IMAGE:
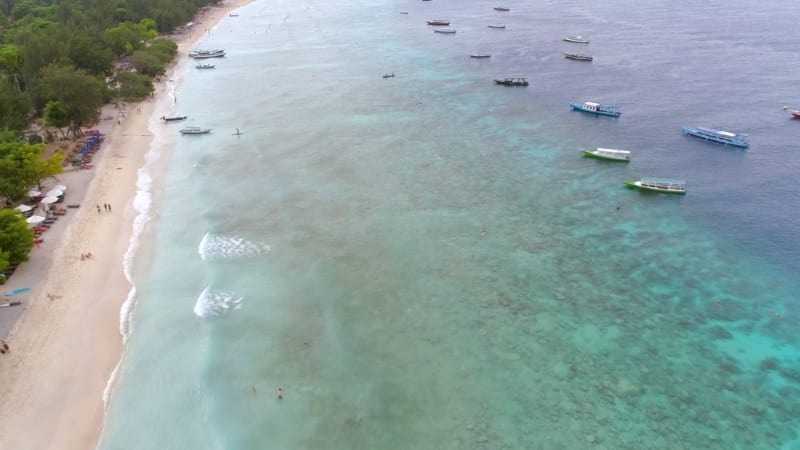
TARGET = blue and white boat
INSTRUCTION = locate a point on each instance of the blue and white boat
(597, 108)
(719, 136)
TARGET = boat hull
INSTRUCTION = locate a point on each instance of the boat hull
(590, 154)
(638, 185)
(728, 142)
(579, 107)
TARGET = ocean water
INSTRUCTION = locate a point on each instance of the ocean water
(427, 262)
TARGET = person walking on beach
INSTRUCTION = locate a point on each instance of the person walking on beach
(3, 347)
(98, 209)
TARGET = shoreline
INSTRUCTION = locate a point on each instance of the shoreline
(66, 347)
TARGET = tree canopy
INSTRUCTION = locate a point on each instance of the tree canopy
(16, 239)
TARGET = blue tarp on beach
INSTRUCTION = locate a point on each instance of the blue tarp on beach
(17, 292)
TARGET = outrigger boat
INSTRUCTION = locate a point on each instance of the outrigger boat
(609, 154)
(388, 75)
(664, 185)
(445, 30)
(501, 8)
(205, 66)
(439, 23)
(575, 39)
(480, 55)
(202, 54)
(597, 108)
(721, 137)
(512, 82)
(173, 118)
(577, 57)
(795, 113)
(496, 26)
(194, 130)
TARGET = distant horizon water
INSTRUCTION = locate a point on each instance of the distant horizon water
(427, 261)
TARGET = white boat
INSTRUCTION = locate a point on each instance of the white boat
(205, 66)
(497, 26)
(202, 54)
(445, 30)
(663, 185)
(608, 154)
(194, 130)
(480, 55)
(575, 39)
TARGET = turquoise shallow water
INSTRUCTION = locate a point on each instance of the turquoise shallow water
(335, 248)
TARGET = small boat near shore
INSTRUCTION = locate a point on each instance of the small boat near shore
(205, 66)
(597, 108)
(480, 55)
(194, 130)
(445, 30)
(575, 39)
(438, 23)
(173, 118)
(388, 75)
(512, 82)
(497, 26)
(578, 57)
(608, 154)
(718, 136)
(203, 54)
(501, 9)
(663, 185)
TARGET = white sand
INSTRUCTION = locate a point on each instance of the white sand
(63, 351)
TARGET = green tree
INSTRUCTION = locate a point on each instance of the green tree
(22, 165)
(16, 239)
(133, 86)
(56, 115)
(79, 93)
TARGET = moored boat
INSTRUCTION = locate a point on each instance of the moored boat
(202, 54)
(512, 81)
(597, 108)
(794, 112)
(194, 130)
(664, 185)
(173, 118)
(575, 39)
(578, 57)
(497, 26)
(445, 30)
(501, 8)
(439, 23)
(608, 154)
(480, 55)
(719, 136)
(205, 66)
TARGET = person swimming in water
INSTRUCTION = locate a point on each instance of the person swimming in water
(280, 394)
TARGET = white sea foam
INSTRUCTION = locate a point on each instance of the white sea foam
(215, 247)
(213, 302)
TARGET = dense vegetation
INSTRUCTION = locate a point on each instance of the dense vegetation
(60, 61)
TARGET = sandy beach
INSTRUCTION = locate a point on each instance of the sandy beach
(67, 342)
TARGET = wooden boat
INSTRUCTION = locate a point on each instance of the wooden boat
(501, 8)
(445, 30)
(663, 185)
(205, 66)
(439, 23)
(597, 108)
(388, 75)
(16, 303)
(195, 130)
(512, 82)
(173, 118)
(575, 39)
(794, 112)
(498, 27)
(577, 57)
(721, 137)
(480, 55)
(608, 154)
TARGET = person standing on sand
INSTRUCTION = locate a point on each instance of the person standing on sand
(98, 209)
(3, 347)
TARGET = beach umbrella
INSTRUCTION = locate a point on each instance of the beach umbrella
(24, 208)
(35, 220)
(55, 193)
(48, 200)
(34, 193)
(60, 187)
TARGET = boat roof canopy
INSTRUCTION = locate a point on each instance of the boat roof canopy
(663, 181)
(591, 103)
(611, 150)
